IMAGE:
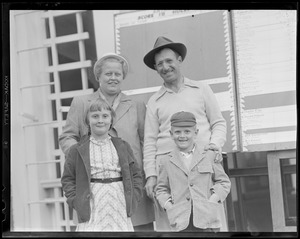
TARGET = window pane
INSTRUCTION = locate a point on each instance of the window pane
(250, 192)
(68, 52)
(65, 25)
(251, 159)
(288, 171)
(70, 80)
(256, 203)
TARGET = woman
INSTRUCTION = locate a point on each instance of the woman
(110, 71)
(101, 178)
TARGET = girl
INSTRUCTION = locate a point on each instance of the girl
(101, 179)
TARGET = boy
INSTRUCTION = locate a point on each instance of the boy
(190, 187)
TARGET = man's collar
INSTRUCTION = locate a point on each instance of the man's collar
(164, 89)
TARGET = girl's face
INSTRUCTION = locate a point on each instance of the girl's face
(100, 122)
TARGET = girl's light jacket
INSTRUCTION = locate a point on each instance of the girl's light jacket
(77, 176)
(191, 189)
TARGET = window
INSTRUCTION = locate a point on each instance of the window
(249, 201)
(283, 189)
(288, 175)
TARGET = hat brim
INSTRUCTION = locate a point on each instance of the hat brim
(113, 55)
(178, 47)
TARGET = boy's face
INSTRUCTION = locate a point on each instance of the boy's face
(184, 137)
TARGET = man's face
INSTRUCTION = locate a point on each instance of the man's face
(168, 65)
(184, 137)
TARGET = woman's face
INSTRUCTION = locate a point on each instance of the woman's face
(111, 77)
(100, 122)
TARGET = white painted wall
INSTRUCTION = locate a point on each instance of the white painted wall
(29, 144)
(104, 31)
(18, 189)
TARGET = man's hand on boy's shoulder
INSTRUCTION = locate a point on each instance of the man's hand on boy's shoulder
(214, 152)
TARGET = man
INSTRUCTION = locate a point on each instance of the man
(178, 93)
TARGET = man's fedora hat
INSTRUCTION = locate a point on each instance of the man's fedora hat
(163, 42)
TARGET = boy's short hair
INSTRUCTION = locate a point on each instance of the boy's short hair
(183, 119)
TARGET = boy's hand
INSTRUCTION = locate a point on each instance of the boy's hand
(214, 198)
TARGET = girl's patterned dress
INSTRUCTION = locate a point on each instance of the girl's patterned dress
(108, 207)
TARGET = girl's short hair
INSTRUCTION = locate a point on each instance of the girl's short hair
(98, 105)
